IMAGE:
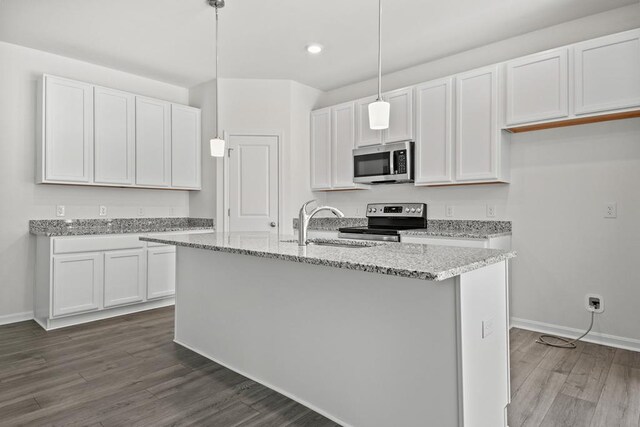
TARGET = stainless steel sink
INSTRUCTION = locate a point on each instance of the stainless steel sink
(335, 243)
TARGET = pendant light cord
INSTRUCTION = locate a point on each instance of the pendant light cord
(379, 50)
(217, 76)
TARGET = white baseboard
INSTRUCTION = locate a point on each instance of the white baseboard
(593, 337)
(16, 317)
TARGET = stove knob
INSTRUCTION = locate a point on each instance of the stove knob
(413, 210)
(374, 210)
(419, 210)
(370, 210)
(407, 210)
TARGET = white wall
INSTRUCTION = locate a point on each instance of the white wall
(254, 105)
(202, 204)
(616, 20)
(561, 180)
(22, 199)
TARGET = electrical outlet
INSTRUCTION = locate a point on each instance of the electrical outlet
(487, 327)
(611, 210)
(60, 210)
(140, 211)
(491, 211)
(448, 211)
(102, 211)
(594, 302)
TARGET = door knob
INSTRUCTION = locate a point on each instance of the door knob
(273, 224)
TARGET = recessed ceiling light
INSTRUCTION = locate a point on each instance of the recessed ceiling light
(314, 48)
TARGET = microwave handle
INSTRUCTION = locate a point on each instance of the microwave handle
(391, 165)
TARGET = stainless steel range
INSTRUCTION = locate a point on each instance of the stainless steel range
(386, 220)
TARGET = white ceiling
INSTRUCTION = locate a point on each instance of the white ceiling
(172, 40)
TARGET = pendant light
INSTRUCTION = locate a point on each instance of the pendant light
(379, 110)
(217, 144)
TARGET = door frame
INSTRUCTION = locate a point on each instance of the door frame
(225, 166)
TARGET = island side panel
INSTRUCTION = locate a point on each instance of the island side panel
(364, 349)
(484, 343)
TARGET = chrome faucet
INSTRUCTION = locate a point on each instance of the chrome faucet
(304, 218)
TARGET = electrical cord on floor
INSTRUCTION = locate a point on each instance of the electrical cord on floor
(564, 342)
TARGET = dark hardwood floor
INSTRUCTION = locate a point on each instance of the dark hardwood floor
(127, 371)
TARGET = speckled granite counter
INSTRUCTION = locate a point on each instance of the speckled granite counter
(456, 228)
(426, 262)
(79, 227)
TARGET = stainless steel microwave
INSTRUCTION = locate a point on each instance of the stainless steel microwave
(384, 163)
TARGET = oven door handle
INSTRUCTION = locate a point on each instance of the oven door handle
(364, 236)
(391, 163)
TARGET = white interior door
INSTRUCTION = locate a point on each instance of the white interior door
(253, 182)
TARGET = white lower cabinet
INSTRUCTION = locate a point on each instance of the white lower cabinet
(85, 278)
(161, 271)
(124, 277)
(76, 283)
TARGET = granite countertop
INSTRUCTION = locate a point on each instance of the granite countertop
(455, 228)
(80, 227)
(426, 262)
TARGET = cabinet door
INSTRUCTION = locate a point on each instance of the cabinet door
(77, 282)
(477, 125)
(124, 277)
(364, 134)
(400, 116)
(185, 147)
(607, 73)
(321, 149)
(68, 130)
(434, 132)
(114, 137)
(537, 87)
(153, 142)
(342, 144)
(161, 271)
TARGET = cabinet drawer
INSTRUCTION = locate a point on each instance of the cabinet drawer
(93, 244)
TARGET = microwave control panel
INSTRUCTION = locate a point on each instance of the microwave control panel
(400, 162)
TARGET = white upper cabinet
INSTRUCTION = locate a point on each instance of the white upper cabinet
(477, 132)
(91, 135)
(400, 116)
(434, 132)
(364, 134)
(67, 131)
(185, 147)
(114, 137)
(607, 73)
(537, 87)
(153, 142)
(342, 145)
(321, 149)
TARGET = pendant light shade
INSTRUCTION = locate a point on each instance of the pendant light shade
(379, 115)
(379, 110)
(217, 147)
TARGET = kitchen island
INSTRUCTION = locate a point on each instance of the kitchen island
(367, 334)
